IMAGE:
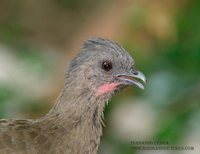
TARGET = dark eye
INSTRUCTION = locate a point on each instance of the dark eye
(107, 65)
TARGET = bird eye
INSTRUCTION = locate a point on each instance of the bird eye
(107, 65)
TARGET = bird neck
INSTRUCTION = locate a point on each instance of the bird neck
(78, 99)
(78, 103)
(79, 112)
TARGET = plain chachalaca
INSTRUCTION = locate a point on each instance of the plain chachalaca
(74, 124)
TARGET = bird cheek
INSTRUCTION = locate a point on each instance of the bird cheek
(106, 88)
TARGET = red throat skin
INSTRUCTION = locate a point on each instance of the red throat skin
(106, 88)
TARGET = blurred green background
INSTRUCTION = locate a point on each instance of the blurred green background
(38, 38)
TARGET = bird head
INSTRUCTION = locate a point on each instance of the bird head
(103, 67)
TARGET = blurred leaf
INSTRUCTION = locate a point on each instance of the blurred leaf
(172, 127)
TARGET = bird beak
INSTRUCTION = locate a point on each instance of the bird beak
(132, 78)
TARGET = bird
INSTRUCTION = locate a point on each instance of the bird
(74, 123)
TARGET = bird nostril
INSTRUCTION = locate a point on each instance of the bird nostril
(135, 73)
